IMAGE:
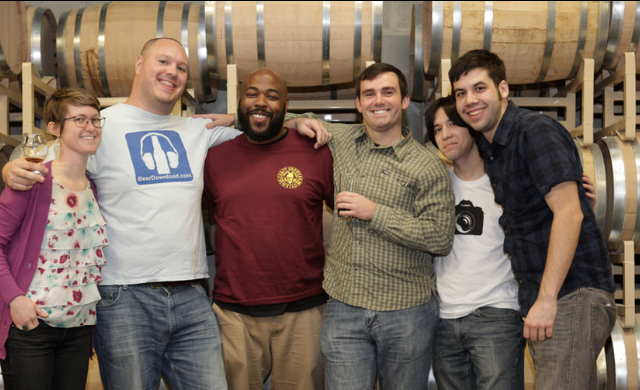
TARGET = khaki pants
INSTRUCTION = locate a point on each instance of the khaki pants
(286, 346)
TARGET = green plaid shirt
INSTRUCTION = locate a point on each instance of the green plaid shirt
(387, 263)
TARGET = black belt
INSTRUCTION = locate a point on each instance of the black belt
(172, 284)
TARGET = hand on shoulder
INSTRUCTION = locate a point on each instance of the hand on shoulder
(225, 120)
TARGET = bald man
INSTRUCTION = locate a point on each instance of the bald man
(268, 188)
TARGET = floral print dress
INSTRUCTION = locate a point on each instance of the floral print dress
(65, 284)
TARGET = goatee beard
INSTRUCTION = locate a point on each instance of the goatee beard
(272, 131)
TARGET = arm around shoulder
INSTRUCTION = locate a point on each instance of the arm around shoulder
(18, 175)
(220, 134)
(223, 120)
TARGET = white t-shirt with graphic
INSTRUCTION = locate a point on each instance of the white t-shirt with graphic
(476, 273)
(149, 174)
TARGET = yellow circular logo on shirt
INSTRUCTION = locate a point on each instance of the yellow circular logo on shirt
(290, 177)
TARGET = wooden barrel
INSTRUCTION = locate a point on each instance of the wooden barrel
(13, 42)
(593, 165)
(42, 28)
(624, 32)
(627, 15)
(537, 40)
(309, 42)
(324, 92)
(622, 358)
(622, 163)
(97, 46)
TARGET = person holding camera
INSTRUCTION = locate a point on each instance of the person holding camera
(479, 335)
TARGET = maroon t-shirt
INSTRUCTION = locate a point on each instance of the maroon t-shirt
(268, 201)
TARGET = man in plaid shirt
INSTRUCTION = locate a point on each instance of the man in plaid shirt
(382, 312)
(557, 252)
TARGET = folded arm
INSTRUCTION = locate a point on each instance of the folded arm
(432, 225)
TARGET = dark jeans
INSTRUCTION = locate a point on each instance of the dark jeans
(47, 358)
(483, 350)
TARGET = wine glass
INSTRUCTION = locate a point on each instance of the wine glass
(34, 148)
(346, 182)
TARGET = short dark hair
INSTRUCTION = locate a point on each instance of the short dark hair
(482, 59)
(448, 104)
(57, 105)
(375, 70)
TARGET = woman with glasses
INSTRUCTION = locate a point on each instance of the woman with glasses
(51, 240)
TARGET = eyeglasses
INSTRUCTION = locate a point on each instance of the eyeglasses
(82, 121)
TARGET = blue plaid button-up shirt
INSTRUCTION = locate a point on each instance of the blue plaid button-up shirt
(530, 154)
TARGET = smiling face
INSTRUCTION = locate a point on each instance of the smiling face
(161, 76)
(75, 139)
(381, 103)
(452, 140)
(478, 101)
(263, 105)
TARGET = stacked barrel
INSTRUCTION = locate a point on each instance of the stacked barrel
(310, 43)
(539, 41)
(26, 34)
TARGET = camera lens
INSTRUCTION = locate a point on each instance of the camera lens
(465, 222)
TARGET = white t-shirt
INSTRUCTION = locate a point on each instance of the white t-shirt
(476, 273)
(149, 174)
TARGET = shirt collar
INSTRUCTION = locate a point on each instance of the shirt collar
(398, 148)
(506, 124)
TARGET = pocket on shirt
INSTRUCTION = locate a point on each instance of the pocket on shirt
(401, 186)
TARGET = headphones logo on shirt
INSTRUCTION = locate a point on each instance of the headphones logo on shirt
(158, 157)
(290, 177)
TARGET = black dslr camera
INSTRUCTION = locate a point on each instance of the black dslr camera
(469, 219)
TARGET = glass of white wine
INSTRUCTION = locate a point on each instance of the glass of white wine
(34, 148)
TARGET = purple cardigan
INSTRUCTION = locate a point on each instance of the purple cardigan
(23, 218)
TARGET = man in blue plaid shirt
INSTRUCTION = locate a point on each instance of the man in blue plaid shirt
(557, 252)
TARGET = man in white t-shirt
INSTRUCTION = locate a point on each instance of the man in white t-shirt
(155, 317)
(479, 340)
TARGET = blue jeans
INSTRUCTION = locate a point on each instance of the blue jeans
(47, 358)
(357, 343)
(143, 331)
(483, 350)
(567, 361)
